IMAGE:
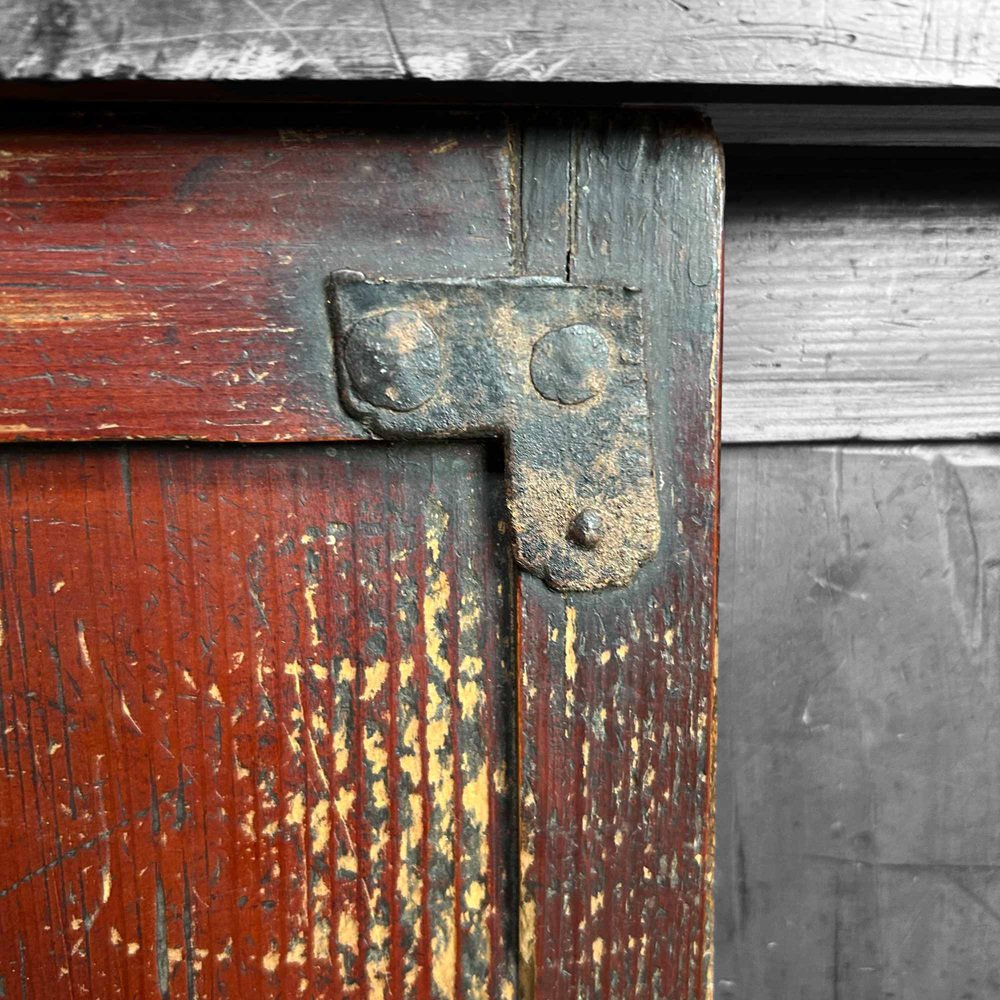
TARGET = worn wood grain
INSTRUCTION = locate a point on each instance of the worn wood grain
(279, 720)
(766, 42)
(254, 723)
(861, 295)
(169, 280)
(617, 688)
(858, 791)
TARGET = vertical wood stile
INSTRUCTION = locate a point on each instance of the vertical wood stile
(616, 689)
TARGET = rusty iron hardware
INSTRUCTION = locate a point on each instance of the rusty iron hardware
(555, 370)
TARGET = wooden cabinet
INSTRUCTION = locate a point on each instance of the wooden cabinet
(280, 713)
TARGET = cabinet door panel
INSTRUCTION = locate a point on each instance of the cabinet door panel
(279, 714)
(256, 710)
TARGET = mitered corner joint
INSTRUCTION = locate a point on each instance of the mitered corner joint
(556, 370)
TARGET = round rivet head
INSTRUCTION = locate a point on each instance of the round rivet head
(586, 529)
(393, 359)
(570, 365)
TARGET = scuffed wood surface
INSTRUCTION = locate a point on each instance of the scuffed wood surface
(170, 281)
(617, 688)
(859, 798)
(255, 714)
(804, 42)
(862, 295)
(164, 797)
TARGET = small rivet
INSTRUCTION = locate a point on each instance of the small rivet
(394, 359)
(586, 529)
(570, 365)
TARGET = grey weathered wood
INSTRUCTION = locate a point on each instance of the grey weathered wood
(860, 124)
(859, 42)
(858, 791)
(862, 295)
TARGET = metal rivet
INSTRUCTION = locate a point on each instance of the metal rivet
(586, 529)
(393, 359)
(570, 365)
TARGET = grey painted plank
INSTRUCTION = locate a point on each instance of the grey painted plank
(805, 42)
(862, 295)
(858, 787)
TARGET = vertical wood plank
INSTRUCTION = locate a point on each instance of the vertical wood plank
(617, 689)
(859, 797)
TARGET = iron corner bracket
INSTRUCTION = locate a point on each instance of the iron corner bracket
(556, 370)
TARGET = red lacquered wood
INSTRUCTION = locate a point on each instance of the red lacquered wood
(617, 688)
(170, 282)
(282, 720)
(250, 723)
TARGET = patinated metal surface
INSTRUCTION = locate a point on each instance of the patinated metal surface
(554, 369)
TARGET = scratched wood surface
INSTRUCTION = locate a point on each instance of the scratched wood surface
(807, 42)
(617, 688)
(264, 728)
(857, 810)
(858, 792)
(861, 295)
(254, 723)
(210, 246)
